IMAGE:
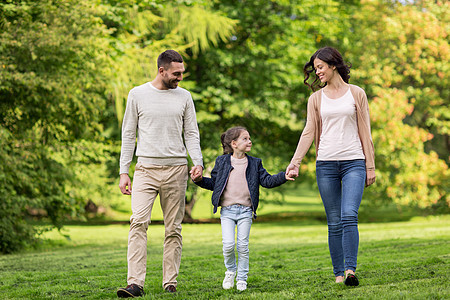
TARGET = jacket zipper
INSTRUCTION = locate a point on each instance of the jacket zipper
(224, 186)
(254, 216)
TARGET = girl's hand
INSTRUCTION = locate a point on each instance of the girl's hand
(196, 178)
(292, 171)
(289, 177)
(370, 177)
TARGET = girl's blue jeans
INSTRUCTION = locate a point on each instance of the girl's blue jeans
(341, 185)
(240, 217)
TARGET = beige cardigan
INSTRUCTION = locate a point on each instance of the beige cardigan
(313, 127)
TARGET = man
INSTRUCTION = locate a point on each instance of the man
(161, 113)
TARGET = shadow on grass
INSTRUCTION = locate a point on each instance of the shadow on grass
(366, 215)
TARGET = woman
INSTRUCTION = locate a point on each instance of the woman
(338, 120)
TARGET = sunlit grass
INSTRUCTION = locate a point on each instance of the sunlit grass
(289, 257)
(288, 260)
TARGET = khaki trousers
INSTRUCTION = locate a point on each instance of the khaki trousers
(170, 183)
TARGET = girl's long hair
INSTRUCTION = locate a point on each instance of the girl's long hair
(333, 58)
(228, 136)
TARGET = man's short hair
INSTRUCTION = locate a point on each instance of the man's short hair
(167, 57)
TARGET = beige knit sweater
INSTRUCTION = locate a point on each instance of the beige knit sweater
(313, 127)
(166, 126)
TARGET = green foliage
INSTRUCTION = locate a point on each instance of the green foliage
(94, 173)
(30, 184)
(200, 27)
(51, 94)
(66, 68)
(50, 55)
(14, 231)
(140, 32)
(255, 79)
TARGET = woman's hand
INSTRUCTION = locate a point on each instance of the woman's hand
(370, 177)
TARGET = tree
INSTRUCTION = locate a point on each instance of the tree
(51, 94)
(400, 54)
(255, 79)
(142, 31)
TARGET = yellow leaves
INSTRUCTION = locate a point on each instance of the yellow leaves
(390, 105)
(319, 38)
(418, 179)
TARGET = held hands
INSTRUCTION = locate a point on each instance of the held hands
(291, 172)
(125, 184)
(196, 173)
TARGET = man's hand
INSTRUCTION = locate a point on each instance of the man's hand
(125, 184)
(196, 173)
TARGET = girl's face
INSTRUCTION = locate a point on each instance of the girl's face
(243, 143)
(324, 71)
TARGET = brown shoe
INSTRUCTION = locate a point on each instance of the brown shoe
(171, 289)
(131, 291)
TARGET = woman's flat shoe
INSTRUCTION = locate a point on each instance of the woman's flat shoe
(351, 280)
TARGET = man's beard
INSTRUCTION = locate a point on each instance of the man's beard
(170, 84)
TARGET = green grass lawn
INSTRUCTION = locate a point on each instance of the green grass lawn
(288, 260)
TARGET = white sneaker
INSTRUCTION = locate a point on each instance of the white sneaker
(228, 281)
(241, 285)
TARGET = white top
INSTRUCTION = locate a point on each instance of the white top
(236, 191)
(339, 139)
(161, 118)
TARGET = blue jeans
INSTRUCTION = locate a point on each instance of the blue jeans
(241, 217)
(341, 185)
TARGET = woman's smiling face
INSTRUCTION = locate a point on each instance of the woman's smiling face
(324, 71)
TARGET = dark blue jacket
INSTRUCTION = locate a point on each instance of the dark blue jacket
(256, 175)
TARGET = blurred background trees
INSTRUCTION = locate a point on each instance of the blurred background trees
(66, 68)
(401, 57)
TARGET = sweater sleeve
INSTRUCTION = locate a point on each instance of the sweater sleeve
(308, 134)
(364, 131)
(270, 181)
(191, 133)
(129, 127)
(209, 183)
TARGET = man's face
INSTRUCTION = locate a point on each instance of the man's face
(172, 75)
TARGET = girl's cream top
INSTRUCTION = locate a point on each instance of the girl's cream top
(236, 191)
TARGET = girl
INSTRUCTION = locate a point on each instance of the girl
(338, 120)
(235, 181)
